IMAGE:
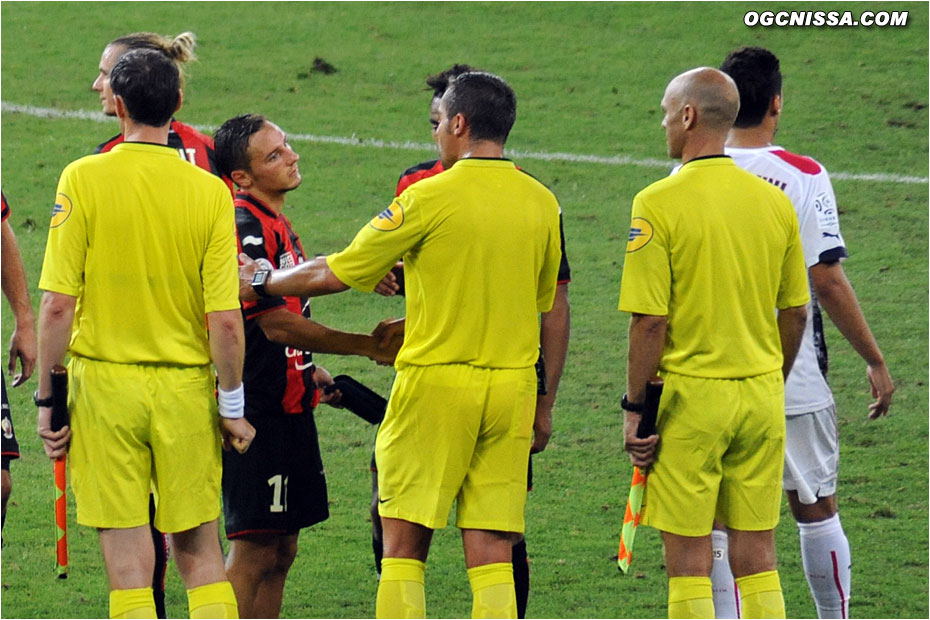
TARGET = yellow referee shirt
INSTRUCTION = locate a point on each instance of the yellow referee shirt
(147, 243)
(481, 251)
(715, 249)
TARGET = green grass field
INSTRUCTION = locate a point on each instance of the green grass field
(589, 78)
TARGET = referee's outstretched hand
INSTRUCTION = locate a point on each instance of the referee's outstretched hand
(237, 433)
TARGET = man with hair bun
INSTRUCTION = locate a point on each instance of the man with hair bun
(193, 146)
(713, 250)
(139, 223)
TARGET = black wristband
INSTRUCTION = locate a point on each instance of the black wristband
(41, 402)
(628, 406)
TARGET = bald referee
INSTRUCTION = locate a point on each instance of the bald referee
(713, 250)
(143, 410)
(480, 244)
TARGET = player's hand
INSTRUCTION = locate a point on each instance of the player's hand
(542, 426)
(54, 442)
(388, 285)
(388, 336)
(387, 330)
(238, 434)
(642, 451)
(22, 348)
(322, 378)
(247, 269)
(882, 389)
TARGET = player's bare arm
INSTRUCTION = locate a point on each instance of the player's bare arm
(646, 341)
(554, 330)
(791, 323)
(23, 342)
(284, 327)
(836, 295)
(309, 279)
(56, 315)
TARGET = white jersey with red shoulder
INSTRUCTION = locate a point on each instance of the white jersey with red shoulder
(807, 184)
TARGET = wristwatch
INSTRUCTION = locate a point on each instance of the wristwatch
(628, 406)
(41, 402)
(259, 279)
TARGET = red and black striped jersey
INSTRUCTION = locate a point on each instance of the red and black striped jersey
(195, 147)
(6, 208)
(278, 380)
(428, 169)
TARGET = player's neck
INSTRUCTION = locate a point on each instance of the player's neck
(272, 200)
(751, 137)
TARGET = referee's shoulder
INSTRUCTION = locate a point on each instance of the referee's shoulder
(88, 163)
(670, 183)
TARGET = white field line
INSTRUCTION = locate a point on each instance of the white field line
(612, 160)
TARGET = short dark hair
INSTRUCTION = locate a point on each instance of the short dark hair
(487, 102)
(149, 84)
(441, 81)
(757, 74)
(231, 142)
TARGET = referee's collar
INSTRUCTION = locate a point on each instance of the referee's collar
(485, 161)
(706, 157)
(134, 145)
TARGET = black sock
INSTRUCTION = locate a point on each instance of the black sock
(378, 548)
(521, 577)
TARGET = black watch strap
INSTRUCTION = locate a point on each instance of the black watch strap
(259, 279)
(41, 402)
(628, 406)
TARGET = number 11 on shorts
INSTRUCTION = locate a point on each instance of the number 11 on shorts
(279, 484)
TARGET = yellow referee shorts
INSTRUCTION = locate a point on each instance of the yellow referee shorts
(457, 432)
(139, 428)
(721, 455)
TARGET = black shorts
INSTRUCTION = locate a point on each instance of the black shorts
(278, 485)
(9, 447)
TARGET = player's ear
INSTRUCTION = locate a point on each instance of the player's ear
(180, 99)
(241, 178)
(777, 103)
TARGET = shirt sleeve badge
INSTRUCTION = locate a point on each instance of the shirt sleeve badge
(391, 218)
(640, 234)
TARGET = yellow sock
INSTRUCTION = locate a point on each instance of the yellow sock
(214, 600)
(492, 591)
(690, 597)
(761, 595)
(400, 592)
(135, 603)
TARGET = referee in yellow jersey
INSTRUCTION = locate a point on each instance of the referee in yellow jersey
(132, 266)
(481, 250)
(713, 251)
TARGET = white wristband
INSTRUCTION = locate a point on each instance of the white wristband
(231, 403)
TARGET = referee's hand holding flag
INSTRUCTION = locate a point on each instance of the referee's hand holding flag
(642, 451)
